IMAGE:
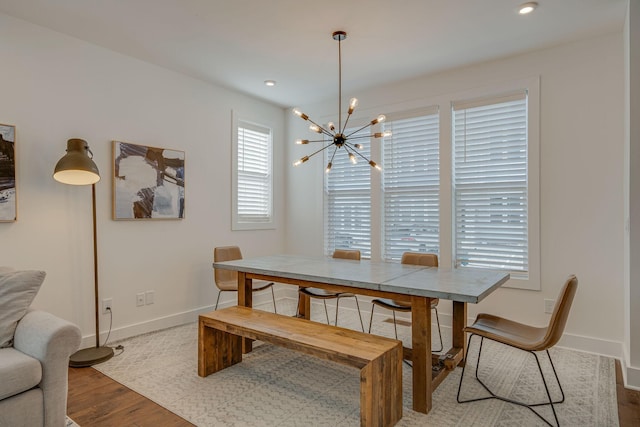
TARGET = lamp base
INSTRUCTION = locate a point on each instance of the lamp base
(90, 356)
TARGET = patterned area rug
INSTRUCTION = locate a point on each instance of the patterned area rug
(70, 423)
(279, 387)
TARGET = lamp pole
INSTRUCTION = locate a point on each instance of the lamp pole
(77, 168)
(95, 263)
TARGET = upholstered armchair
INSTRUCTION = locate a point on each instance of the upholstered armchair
(34, 357)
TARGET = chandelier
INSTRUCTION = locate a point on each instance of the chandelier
(336, 136)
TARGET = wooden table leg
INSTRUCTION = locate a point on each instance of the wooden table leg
(304, 309)
(421, 345)
(459, 322)
(245, 299)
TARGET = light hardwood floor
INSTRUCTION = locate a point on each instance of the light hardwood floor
(97, 400)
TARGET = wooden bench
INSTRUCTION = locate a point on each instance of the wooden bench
(220, 335)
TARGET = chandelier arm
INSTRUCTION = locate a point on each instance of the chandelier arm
(352, 149)
(345, 123)
(322, 129)
(321, 149)
(317, 140)
(356, 131)
(360, 136)
(333, 155)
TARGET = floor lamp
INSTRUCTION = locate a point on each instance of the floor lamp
(77, 168)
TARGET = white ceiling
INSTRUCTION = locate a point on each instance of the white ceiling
(240, 43)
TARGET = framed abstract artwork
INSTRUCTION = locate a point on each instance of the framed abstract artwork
(148, 182)
(8, 204)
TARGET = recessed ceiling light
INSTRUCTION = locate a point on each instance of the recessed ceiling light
(270, 82)
(527, 7)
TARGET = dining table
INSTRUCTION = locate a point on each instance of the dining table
(416, 284)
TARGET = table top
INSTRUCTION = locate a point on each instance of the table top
(461, 284)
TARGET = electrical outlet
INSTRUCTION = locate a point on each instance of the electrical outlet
(140, 299)
(106, 305)
(549, 304)
(148, 297)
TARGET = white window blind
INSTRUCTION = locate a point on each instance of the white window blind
(410, 184)
(254, 174)
(490, 183)
(348, 201)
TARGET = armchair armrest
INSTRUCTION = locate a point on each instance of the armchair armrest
(51, 340)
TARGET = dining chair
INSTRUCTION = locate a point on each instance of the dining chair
(227, 280)
(324, 295)
(412, 258)
(526, 338)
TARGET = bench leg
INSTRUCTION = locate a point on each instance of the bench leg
(381, 390)
(217, 350)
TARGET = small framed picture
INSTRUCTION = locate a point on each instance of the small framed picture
(148, 182)
(8, 204)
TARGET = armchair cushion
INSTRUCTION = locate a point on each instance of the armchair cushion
(18, 371)
(17, 291)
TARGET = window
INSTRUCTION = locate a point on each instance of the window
(461, 181)
(348, 201)
(410, 185)
(253, 190)
(490, 183)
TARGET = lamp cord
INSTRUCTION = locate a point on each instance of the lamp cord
(110, 324)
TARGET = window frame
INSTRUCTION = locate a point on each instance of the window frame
(530, 280)
(238, 222)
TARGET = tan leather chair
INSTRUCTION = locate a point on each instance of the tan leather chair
(324, 295)
(413, 258)
(527, 338)
(227, 280)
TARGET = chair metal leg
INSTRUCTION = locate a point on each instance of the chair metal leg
(217, 300)
(273, 296)
(395, 328)
(505, 399)
(325, 311)
(373, 306)
(359, 314)
(439, 331)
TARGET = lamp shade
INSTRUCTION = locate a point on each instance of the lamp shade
(76, 167)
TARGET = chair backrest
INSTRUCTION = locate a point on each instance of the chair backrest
(419, 258)
(347, 254)
(226, 279)
(560, 313)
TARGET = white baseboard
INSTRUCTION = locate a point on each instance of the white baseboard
(574, 342)
(226, 300)
(632, 377)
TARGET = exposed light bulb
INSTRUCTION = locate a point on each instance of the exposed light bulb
(328, 169)
(331, 126)
(353, 158)
(270, 82)
(300, 114)
(381, 118)
(382, 134)
(315, 128)
(375, 165)
(302, 141)
(358, 146)
(353, 103)
(302, 160)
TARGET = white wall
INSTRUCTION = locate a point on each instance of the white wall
(53, 88)
(581, 179)
(632, 191)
